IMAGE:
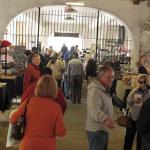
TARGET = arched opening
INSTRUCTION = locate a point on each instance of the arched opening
(114, 39)
(104, 32)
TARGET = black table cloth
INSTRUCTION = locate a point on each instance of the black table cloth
(11, 85)
(5, 101)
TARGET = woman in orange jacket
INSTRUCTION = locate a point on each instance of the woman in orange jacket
(44, 118)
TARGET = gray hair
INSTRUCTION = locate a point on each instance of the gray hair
(75, 55)
(35, 56)
(103, 69)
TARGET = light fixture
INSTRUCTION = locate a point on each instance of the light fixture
(69, 9)
(69, 18)
(75, 3)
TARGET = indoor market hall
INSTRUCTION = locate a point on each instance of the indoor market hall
(75, 75)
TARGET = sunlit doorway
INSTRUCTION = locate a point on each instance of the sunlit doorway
(58, 42)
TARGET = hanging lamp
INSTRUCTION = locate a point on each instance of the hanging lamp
(75, 3)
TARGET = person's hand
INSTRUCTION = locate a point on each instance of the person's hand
(109, 123)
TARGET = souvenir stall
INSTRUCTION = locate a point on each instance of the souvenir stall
(4, 87)
(8, 79)
(130, 78)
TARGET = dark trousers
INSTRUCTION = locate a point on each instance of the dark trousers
(145, 144)
(76, 88)
(129, 138)
(59, 83)
(97, 140)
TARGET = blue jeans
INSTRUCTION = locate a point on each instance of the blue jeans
(97, 140)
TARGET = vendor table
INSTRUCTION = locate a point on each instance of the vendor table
(5, 102)
(11, 84)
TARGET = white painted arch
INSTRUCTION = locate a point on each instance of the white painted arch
(88, 9)
(127, 12)
(83, 8)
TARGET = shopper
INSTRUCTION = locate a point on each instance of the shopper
(29, 55)
(48, 55)
(29, 92)
(99, 110)
(57, 67)
(66, 84)
(143, 126)
(75, 72)
(32, 72)
(44, 119)
(90, 70)
(64, 49)
(135, 101)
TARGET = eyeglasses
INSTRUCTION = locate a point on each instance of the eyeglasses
(141, 82)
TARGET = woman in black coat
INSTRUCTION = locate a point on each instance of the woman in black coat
(143, 126)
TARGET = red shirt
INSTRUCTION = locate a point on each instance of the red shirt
(31, 75)
(29, 92)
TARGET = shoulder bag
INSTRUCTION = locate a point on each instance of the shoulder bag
(124, 120)
(19, 126)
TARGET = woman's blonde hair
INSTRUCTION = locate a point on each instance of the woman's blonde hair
(46, 87)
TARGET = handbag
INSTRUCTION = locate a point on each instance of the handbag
(124, 120)
(19, 126)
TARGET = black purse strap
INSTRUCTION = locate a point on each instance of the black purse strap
(127, 112)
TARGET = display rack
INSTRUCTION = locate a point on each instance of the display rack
(4, 62)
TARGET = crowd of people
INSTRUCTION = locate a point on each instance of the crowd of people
(50, 79)
(66, 66)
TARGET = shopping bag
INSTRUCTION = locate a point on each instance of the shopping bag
(10, 142)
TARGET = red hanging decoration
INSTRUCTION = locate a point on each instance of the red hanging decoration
(4, 43)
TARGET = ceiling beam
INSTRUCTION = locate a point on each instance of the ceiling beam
(136, 2)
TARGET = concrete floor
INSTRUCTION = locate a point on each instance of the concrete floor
(76, 136)
(75, 118)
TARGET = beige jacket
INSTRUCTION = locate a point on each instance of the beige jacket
(99, 107)
(57, 69)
